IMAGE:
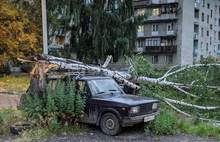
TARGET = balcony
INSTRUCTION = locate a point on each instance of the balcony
(140, 34)
(171, 33)
(148, 3)
(139, 49)
(196, 36)
(163, 17)
(163, 1)
(197, 5)
(160, 49)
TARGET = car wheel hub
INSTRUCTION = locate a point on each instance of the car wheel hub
(110, 124)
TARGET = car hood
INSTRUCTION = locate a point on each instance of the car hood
(130, 100)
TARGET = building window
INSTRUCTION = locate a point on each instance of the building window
(203, 17)
(218, 22)
(140, 28)
(201, 45)
(218, 35)
(156, 12)
(153, 42)
(211, 14)
(202, 32)
(207, 47)
(140, 44)
(207, 33)
(169, 59)
(208, 19)
(155, 59)
(196, 13)
(208, 5)
(211, 27)
(215, 34)
(155, 28)
(203, 3)
(141, 12)
(170, 27)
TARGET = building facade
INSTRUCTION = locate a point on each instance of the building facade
(178, 32)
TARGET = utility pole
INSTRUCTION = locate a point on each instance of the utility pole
(44, 26)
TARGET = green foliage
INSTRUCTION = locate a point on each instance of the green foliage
(144, 68)
(8, 117)
(98, 29)
(208, 60)
(63, 104)
(164, 124)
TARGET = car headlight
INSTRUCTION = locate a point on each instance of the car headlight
(155, 106)
(134, 109)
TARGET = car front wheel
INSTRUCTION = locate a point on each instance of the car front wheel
(110, 124)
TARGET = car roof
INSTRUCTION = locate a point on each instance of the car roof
(93, 77)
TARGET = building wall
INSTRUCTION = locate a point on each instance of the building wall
(191, 44)
(185, 32)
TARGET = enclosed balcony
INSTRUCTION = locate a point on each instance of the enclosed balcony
(160, 49)
(162, 17)
(163, 1)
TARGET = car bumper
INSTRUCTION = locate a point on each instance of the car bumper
(130, 121)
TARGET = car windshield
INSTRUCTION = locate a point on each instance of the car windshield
(102, 86)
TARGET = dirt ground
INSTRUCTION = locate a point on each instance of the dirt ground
(9, 101)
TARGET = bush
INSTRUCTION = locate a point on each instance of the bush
(63, 104)
(164, 124)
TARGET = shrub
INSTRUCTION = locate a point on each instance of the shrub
(164, 124)
(63, 104)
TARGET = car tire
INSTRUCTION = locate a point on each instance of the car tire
(110, 124)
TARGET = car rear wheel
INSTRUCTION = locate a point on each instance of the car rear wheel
(110, 124)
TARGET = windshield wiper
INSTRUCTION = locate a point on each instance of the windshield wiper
(101, 92)
(114, 90)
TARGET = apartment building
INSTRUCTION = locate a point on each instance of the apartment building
(178, 31)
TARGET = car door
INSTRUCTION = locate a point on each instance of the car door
(90, 115)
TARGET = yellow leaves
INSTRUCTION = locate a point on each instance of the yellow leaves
(18, 36)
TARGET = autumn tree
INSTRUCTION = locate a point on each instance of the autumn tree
(17, 33)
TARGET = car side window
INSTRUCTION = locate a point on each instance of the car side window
(81, 86)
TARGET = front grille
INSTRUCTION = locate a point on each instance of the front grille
(146, 109)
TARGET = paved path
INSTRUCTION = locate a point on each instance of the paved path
(9, 101)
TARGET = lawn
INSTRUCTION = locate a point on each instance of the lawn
(14, 83)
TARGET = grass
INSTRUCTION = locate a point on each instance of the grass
(40, 133)
(14, 84)
(9, 117)
(169, 122)
(201, 129)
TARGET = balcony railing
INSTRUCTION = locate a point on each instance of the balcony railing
(144, 3)
(160, 49)
(163, 1)
(197, 5)
(162, 17)
(139, 49)
(140, 34)
(196, 36)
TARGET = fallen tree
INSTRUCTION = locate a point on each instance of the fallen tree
(45, 63)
